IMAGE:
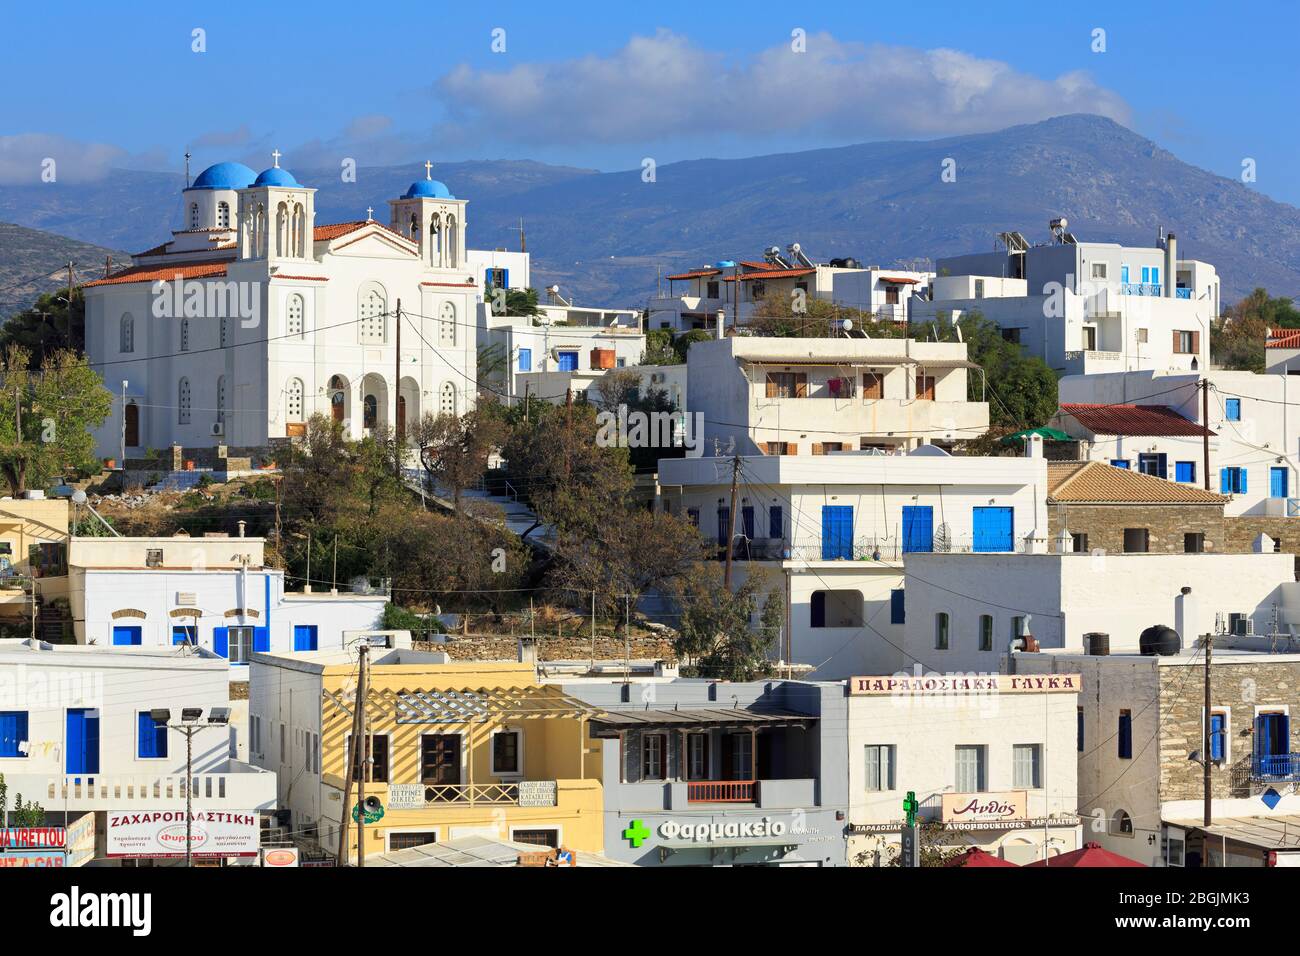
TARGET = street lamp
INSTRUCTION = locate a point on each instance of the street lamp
(191, 723)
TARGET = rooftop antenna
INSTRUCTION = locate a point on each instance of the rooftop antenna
(187, 169)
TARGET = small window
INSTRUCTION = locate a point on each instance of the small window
(539, 836)
(525, 360)
(1218, 735)
(897, 607)
(1122, 824)
(1124, 737)
(986, 632)
(1185, 471)
(778, 448)
(13, 733)
(979, 288)
(413, 838)
(1194, 542)
(1011, 335)
(1120, 463)
(151, 737)
(711, 290)
(879, 767)
(185, 335)
(654, 757)
(240, 647)
(293, 316)
(1099, 270)
(1026, 765)
(126, 334)
(153, 557)
(378, 769)
(1142, 336)
(941, 631)
(836, 609)
(505, 752)
(1184, 342)
(1080, 541)
(697, 757)
(1136, 540)
(971, 774)
(1079, 732)
(1232, 409)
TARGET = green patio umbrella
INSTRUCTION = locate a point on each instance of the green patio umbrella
(1048, 434)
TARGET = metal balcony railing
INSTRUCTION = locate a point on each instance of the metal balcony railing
(1183, 293)
(894, 549)
(1142, 288)
(1275, 767)
(722, 791)
(475, 794)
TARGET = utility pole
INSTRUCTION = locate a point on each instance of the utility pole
(351, 756)
(123, 458)
(307, 586)
(731, 519)
(366, 757)
(627, 638)
(1206, 762)
(398, 424)
(334, 581)
(1205, 427)
(189, 787)
(593, 630)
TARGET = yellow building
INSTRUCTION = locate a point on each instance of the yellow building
(455, 750)
(33, 536)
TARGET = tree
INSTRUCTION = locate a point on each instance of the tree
(659, 348)
(715, 631)
(47, 417)
(24, 814)
(51, 324)
(455, 450)
(512, 301)
(1237, 339)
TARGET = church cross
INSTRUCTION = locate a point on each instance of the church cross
(428, 169)
(275, 155)
(370, 213)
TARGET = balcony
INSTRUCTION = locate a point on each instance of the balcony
(240, 787)
(1183, 293)
(722, 791)
(1142, 288)
(1275, 767)
(894, 549)
(536, 793)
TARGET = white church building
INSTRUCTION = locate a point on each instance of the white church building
(255, 317)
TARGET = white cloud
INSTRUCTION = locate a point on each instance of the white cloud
(664, 87)
(23, 158)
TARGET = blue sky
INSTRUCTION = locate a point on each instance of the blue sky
(604, 85)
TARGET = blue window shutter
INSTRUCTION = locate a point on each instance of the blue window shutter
(152, 737)
(776, 522)
(304, 637)
(724, 524)
(1216, 736)
(1225, 481)
(993, 529)
(220, 641)
(1185, 471)
(92, 742)
(13, 731)
(1232, 409)
(1120, 462)
(126, 636)
(1241, 473)
(505, 278)
(918, 528)
(897, 607)
(568, 361)
(818, 609)
(261, 639)
(525, 360)
(837, 532)
(747, 521)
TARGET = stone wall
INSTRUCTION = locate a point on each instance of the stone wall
(1238, 688)
(1165, 524)
(550, 647)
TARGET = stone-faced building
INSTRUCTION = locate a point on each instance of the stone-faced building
(1141, 725)
(1128, 512)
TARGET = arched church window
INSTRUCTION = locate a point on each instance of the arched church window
(447, 399)
(338, 397)
(282, 246)
(223, 215)
(293, 316)
(435, 240)
(453, 248)
(183, 401)
(371, 306)
(447, 324)
(127, 334)
(370, 412)
(299, 231)
(413, 229)
(293, 400)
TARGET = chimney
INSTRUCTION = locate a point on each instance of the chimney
(1185, 617)
(241, 527)
(1033, 446)
(1171, 265)
(722, 322)
(528, 650)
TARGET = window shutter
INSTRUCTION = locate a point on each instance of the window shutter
(762, 448)
(261, 639)
(1225, 485)
(817, 448)
(1242, 473)
(220, 643)
(801, 385)
(771, 386)
(1176, 344)
(791, 448)
(1196, 343)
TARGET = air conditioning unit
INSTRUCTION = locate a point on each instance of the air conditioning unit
(1243, 626)
(656, 378)
(218, 428)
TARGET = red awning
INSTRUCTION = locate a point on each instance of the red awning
(1092, 854)
(900, 280)
(977, 857)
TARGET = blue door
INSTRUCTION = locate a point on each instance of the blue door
(125, 636)
(994, 529)
(837, 532)
(1153, 464)
(747, 521)
(1277, 483)
(82, 746)
(304, 637)
(918, 528)
(568, 361)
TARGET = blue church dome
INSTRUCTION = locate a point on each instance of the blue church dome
(275, 176)
(427, 189)
(225, 176)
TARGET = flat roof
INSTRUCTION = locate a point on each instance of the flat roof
(613, 721)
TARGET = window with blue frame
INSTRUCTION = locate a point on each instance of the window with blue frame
(185, 634)
(1185, 471)
(127, 635)
(1232, 481)
(13, 733)
(1232, 409)
(724, 524)
(1124, 737)
(1154, 464)
(918, 529)
(775, 522)
(1278, 482)
(525, 360)
(305, 637)
(568, 361)
(151, 737)
(1218, 736)
(897, 607)
(837, 532)
(1120, 462)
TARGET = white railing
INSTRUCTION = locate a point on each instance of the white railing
(245, 788)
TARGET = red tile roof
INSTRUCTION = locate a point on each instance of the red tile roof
(156, 250)
(335, 229)
(901, 280)
(1133, 420)
(770, 274)
(1284, 339)
(697, 274)
(179, 270)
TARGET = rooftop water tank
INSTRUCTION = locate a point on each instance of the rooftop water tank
(1160, 639)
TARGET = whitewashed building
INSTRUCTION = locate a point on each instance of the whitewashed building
(964, 610)
(1086, 307)
(78, 732)
(989, 757)
(836, 532)
(254, 317)
(1152, 421)
(806, 396)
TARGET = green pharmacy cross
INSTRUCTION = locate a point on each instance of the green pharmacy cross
(636, 833)
(910, 806)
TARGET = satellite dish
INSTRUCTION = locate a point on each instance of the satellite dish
(79, 497)
(847, 325)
